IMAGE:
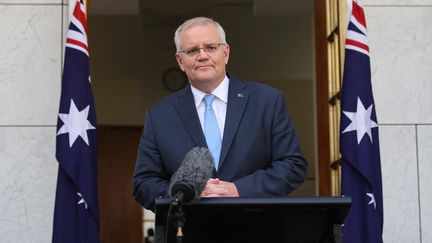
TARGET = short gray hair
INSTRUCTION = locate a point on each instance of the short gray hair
(194, 22)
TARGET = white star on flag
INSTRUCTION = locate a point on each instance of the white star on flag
(360, 121)
(372, 201)
(75, 123)
(81, 201)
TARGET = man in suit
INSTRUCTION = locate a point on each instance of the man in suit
(257, 152)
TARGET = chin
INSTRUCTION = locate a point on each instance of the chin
(206, 76)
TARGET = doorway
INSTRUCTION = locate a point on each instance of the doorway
(132, 47)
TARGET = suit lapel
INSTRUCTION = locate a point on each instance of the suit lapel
(186, 109)
(237, 99)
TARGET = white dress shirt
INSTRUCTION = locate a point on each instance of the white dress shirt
(219, 104)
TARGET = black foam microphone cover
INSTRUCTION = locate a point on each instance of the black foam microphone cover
(190, 179)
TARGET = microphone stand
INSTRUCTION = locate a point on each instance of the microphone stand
(180, 219)
(176, 213)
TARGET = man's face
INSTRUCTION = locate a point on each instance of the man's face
(205, 68)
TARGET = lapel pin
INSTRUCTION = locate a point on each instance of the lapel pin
(240, 95)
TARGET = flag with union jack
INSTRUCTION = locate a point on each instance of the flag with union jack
(361, 166)
(76, 213)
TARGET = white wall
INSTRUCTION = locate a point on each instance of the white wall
(400, 38)
(30, 70)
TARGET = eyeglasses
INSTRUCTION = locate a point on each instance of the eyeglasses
(208, 48)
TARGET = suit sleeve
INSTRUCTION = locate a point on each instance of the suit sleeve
(287, 169)
(149, 180)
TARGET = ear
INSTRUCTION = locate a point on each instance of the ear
(179, 59)
(226, 53)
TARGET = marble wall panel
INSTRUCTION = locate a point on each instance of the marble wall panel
(397, 2)
(425, 180)
(400, 187)
(31, 2)
(30, 61)
(28, 177)
(401, 54)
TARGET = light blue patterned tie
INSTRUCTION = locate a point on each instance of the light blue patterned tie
(211, 129)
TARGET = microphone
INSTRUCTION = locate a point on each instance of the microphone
(190, 179)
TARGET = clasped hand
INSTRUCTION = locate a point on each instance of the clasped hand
(218, 188)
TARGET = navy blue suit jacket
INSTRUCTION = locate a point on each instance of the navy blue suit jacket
(260, 150)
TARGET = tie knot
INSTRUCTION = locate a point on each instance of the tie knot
(208, 99)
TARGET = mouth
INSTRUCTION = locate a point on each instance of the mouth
(204, 67)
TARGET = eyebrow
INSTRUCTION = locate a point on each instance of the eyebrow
(206, 43)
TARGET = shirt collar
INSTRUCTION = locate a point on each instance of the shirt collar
(221, 92)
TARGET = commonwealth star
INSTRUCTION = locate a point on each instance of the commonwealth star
(361, 121)
(75, 123)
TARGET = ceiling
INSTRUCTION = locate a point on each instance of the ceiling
(177, 7)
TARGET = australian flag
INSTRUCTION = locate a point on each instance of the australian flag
(361, 166)
(76, 213)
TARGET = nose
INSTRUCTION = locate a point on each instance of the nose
(202, 54)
